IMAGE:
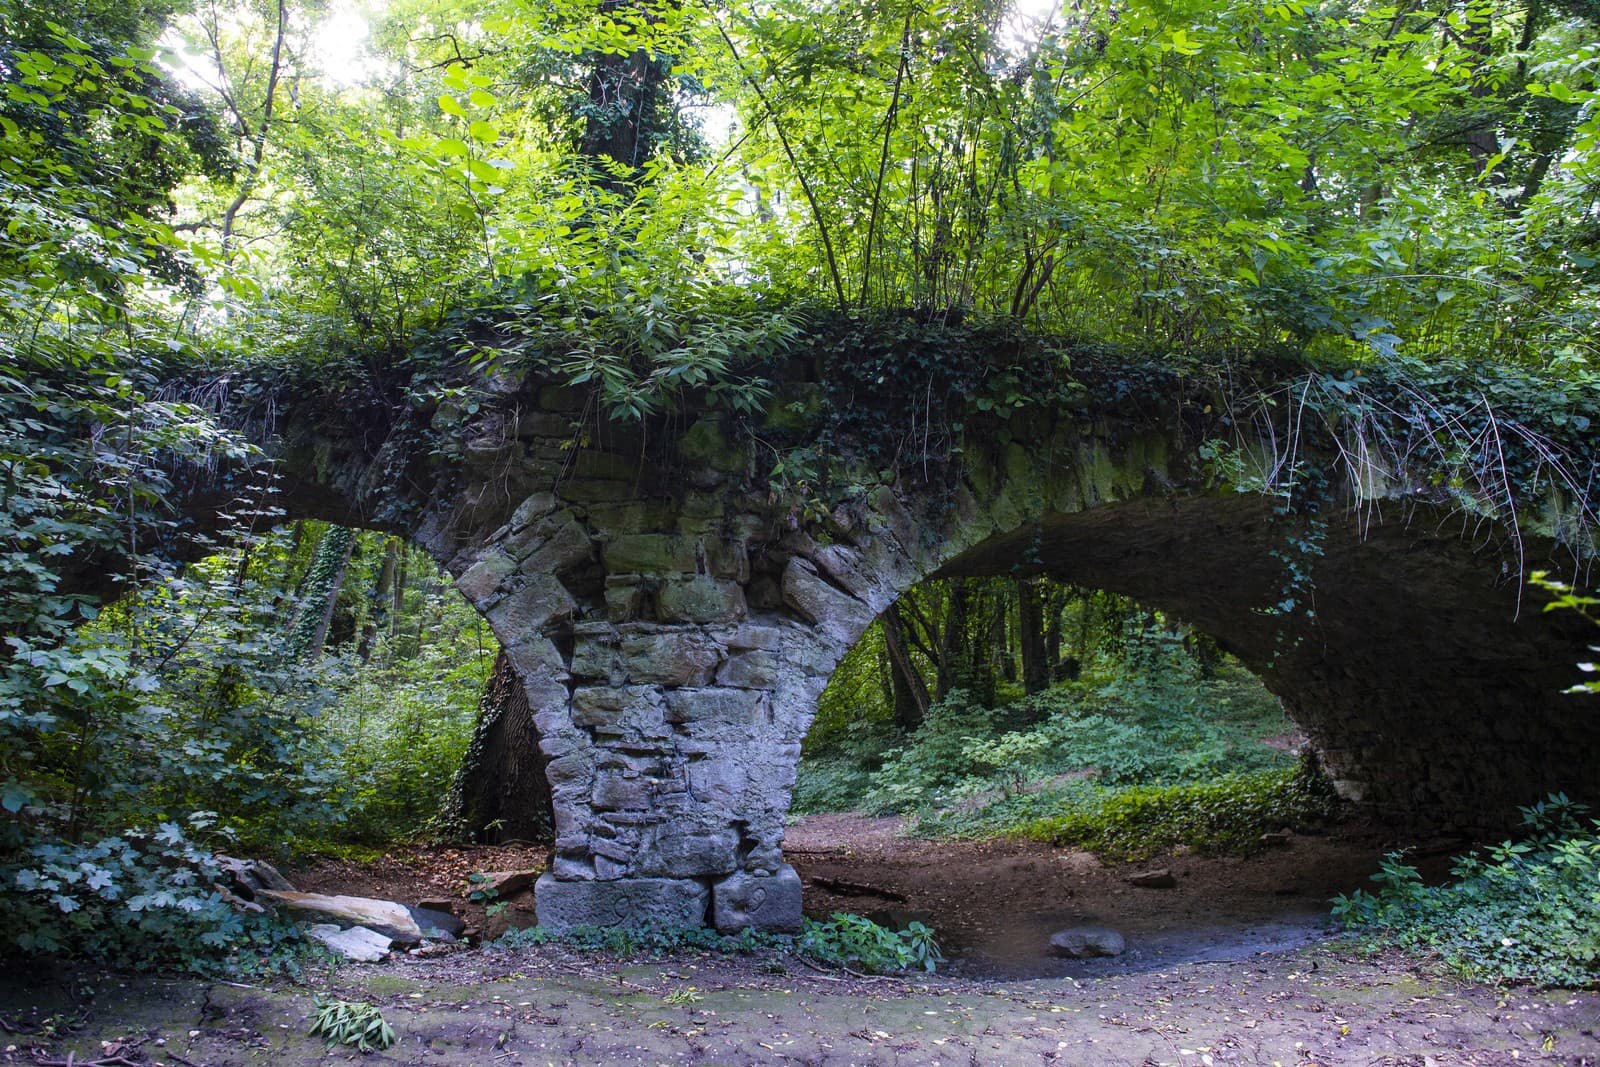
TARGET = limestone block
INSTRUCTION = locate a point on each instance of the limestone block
(770, 903)
(719, 781)
(738, 706)
(483, 578)
(674, 852)
(649, 554)
(838, 614)
(628, 902)
(626, 598)
(594, 653)
(727, 558)
(615, 793)
(678, 657)
(541, 600)
(756, 669)
(701, 599)
(537, 659)
(567, 546)
(623, 711)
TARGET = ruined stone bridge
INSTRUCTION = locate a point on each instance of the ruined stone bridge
(674, 619)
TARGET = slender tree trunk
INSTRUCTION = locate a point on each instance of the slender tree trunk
(319, 636)
(501, 792)
(1031, 636)
(909, 691)
(381, 597)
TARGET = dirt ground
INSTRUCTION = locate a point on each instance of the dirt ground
(1231, 966)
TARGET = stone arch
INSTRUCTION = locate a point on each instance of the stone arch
(675, 626)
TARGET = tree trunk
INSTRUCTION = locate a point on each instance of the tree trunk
(319, 636)
(501, 793)
(909, 691)
(381, 596)
(1030, 635)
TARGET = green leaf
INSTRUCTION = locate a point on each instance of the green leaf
(451, 106)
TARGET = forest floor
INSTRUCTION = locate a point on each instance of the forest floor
(1231, 966)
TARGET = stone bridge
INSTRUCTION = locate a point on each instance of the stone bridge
(674, 618)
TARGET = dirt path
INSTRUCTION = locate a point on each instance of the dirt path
(537, 1007)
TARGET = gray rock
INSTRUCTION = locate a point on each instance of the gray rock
(1085, 942)
(665, 902)
(382, 916)
(357, 943)
(505, 883)
(1160, 878)
(770, 903)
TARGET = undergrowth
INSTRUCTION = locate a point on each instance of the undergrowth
(1228, 814)
(1520, 911)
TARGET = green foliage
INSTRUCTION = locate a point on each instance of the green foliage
(344, 1022)
(860, 944)
(648, 940)
(1228, 814)
(1565, 598)
(145, 898)
(1520, 911)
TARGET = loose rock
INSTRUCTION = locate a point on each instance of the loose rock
(382, 916)
(1160, 878)
(1085, 942)
(357, 943)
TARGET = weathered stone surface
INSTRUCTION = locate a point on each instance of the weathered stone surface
(383, 916)
(755, 669)
(673, 852)
(742, 706)
(541, 599)
(357, 943)
(661, 902)
(649, 554)
(1086, 942)
(836, 613)
(673, 658)
(770, 903)
(483, 578)
(701, 599)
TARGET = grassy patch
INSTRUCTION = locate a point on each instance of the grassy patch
(1228, 814)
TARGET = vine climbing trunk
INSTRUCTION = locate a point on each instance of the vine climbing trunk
(500, 793)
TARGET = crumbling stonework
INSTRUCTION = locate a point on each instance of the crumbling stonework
(674, 626)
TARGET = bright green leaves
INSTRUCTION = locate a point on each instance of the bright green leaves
(451, 106)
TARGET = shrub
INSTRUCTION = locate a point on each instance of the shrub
(142, 899)
(860, 944)
(1526, 911)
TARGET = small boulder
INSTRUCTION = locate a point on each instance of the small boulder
(1086, 942)
(357, 943)
(444, 904)
(505, 883)
(1160, 878)
(1275, 839)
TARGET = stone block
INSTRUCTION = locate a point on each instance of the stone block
(626, 598)
(483, 578)
(567, 546)
(701, 599)
(629, 711)
(719, 782)
(770, 904)
(679, 657)
(614, 793)
(594, 655)
(755, 669)
(541, 600)
(653, 554)
(626, 902)
(836, 613)
(688, 854)
(741, 706)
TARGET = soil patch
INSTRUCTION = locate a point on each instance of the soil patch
(994, 903)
